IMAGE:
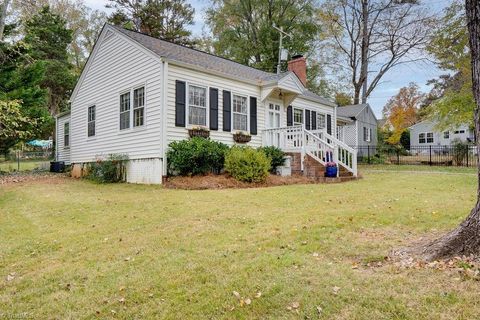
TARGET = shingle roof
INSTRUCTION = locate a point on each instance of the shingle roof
(351, 111)
(183, 54)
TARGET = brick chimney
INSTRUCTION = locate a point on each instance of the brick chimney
(298, 65)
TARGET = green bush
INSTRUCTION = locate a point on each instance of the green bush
(460, 151)
(247, 164)
(195, 156)
(108, 171)
(276, 156)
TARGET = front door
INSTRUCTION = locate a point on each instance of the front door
(274, 121)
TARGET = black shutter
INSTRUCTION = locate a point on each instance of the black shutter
(253, 115)
(289, 116)
(179, 103)
(329, 124)
(307, 120)
(227, 106)
(213, 98)
(314, 120)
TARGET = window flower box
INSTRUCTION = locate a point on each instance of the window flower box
(199, 132)
(241, 137)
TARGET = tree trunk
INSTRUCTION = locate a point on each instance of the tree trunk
(465, 239)
(3, 17)
(365, 50)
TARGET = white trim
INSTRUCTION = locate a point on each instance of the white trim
(131, 127)
(69, 135)
(88, 114)
(207, 105)
(164, 112)
(232, 93)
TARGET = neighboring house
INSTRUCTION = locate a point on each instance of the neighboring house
(424, 133)
(137, 94)
(357, 127)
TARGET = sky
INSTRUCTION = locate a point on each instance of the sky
(396, 78)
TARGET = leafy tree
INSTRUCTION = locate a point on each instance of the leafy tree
(47, 37)
(14, 124)
(366, 39)
(451, 100)
(343, 99)
(166, 19)
(465, 239)
(401, 111)
(243, 30)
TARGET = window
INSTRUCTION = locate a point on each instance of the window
(367, 134)
(91, 121)
(274, 115)
(320, 121)
(459, 131)
(138, 107)
(446, 135)
(197, 106)
(297, 117)
(240, 114)
(125, 111)
(429, 137)
(421, 138)
(66, 134)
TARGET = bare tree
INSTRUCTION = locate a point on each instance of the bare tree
(465, 239)
(3, 17)
(371, 37)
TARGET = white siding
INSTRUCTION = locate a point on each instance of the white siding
(438, 137)
(146, 171)
(62, 153)
(200, 78)
(118, 65)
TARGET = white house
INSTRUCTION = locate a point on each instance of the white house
(138, 93)
(425, 133)
(357, 127)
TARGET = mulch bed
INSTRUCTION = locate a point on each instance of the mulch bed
(224, 181)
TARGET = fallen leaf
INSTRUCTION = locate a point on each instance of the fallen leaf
(258, 294)
(319, 309)
(121, 300)
(315, 254)
(11, 276)
(248, 301)
(335, 290)
(236, 294)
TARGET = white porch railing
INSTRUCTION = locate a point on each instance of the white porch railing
(317, 143)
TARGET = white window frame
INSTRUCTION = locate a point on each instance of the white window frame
(144, 106)
(131, 112)
(90, 121)
(66, 145)
(426, 137)
(247, 114)
(367, 134)
(446, 135)
(207, 105)
(122, 112)
(303, 117)
(420, 138)
(319, 116)
(275, 112)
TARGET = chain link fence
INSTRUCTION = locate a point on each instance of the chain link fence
(26, 160)
(453, 155)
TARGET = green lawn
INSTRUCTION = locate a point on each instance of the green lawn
(25, 165)
(72, 249)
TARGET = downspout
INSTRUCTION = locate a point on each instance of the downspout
(164, 115)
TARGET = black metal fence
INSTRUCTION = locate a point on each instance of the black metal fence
(26, 160)
(453, 155)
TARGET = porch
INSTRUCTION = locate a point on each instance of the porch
(316, 144)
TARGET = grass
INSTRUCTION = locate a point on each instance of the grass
(79, 250)
(417, 168)
(25, 165)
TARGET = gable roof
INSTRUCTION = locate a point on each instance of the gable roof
(351, 110)
(185, 55)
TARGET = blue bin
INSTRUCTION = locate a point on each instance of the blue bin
(331, 172)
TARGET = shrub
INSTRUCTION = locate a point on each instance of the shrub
(247, 164)
(460, 151)
(108, 171)
(196, 156)
(276, 156)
